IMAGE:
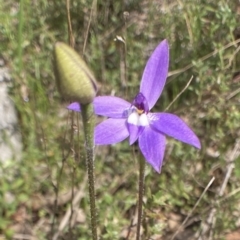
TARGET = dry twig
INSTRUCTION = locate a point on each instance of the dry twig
(184, 89)
(75, 204)
(196, 204)
(209, 224)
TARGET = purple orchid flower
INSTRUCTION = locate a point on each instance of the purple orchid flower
(134, 120)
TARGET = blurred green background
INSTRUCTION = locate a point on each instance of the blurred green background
(204, 41)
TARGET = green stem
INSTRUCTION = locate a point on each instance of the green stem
(20, 36)
(88, 125)
(140, 195)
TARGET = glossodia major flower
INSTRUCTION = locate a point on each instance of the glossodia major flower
(134, 120)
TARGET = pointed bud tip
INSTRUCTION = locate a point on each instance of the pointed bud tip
(74, 79)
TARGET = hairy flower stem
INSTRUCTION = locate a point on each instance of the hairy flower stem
(88, 125)
(140, 195)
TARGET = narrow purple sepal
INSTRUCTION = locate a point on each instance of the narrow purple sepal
(75, 106)
(152, 145)
(110, 131)
(110, 106)
(107, 106)
(175, 127)
(155, 74)
(134, 132)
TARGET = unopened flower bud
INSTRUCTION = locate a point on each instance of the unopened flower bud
(74, 79)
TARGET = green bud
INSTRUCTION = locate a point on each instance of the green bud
(75, 81)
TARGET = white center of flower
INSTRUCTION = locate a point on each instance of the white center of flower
(138, 120)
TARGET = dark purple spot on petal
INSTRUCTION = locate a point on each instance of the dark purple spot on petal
(140, 102)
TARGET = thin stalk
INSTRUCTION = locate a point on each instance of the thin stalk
(70, 31)
(140, 195)
(88, 126)
(20, 36)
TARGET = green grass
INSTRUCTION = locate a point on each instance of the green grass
(53, 163)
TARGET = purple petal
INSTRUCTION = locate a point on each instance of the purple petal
(155, 74)
(75, 106)
(152, 145)
(107, 106)
(111, 131)
(175, 127)
(134, 132)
